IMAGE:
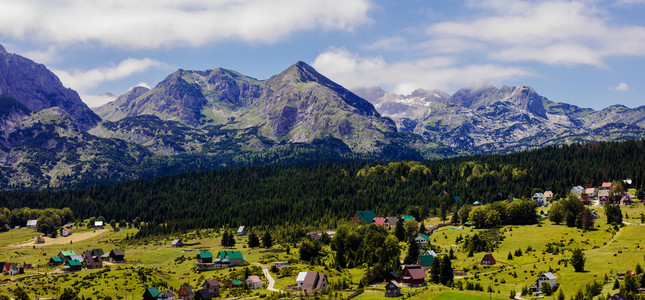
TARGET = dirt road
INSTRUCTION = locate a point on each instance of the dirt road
(75, 237)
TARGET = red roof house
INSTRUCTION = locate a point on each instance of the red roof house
(488, 260)
(379, 221)
(413, 276)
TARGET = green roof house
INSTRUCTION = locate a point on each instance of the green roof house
(150, 294)
(55, 261)
(229, 258)
(73, 265)
(364, 217)
(408, 218)
(66, 255)
(426, 261)
(204, 257)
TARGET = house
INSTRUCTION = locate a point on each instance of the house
(185, 292)
(73, 265)
(590, 192)
(314, 281)
(488, 260)
(66, 255)
(93, 252)
(313, 235)
(627, 182)
(150, 294)
(431, 252)
(548, 277)
(379, 221)
(301, 278)
(539, 199)
(422, 239)
(77, 257)
(253, 282)
(392, 289)
(6, 268)
(64, 232)
(391, 221)
(235, 284)
(32, 223)
(477, 203)
(212, 286)
(177, 244)
(548, 195)
(229, 258)
(606, 185)
(168, 294)
(241, 231)
(280, 264)
(413, 276)
(618, 296)
(55, 261)
(626, 200)
(204, 257)
(364, 217)
(603, 196)
(93, 262)
(15, 269)
(98, 224)
(425, 261)
(117, 255)
(408, 218)
(203, 295)
(578, 190)
(40, 240)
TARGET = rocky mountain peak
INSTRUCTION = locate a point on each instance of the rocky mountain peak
(2, 50)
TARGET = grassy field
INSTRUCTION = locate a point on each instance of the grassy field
(153, 262)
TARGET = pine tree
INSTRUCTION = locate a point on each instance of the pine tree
(578, 260)
(413, 252)
(225, 239)
(510, 256)
(254, 241)
(435, 271)
(231, 240)
(267, 240)
(446, 271)
(399, 230)
(561, 295)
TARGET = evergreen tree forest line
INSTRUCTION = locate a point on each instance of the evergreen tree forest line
(323, 194)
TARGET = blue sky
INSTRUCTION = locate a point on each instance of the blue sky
(590, 53)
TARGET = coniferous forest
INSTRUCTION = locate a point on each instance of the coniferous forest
(321, 194)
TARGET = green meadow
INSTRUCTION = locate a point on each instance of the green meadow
(153, 262)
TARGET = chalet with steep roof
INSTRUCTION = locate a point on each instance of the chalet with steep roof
(64, 232)
(150, 293)
(488, 260)
(177, 244)
(117, 255)
(413, 276)
(167, 294)
(241, 230)
(32, 223)
(422, 239)
(392, 289)
(315, 281)
(185, 292)
(548, 277)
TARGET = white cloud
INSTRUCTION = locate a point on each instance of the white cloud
(554, 32)
(352, 71)
(96, 100)
(621, 87)
(81, 80)
(154, 23)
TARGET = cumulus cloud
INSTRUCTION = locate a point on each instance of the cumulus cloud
(554, 32)
(83, 80)
(353, 70)
(154, 23)
(621, 87)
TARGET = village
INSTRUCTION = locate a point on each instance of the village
(198, 266)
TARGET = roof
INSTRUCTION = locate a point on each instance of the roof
(117, 252)
(408, 217)
(366, 216)
(477, 203)
(93, 252)
(457, 199)
(98, 223)
(425, 237)
(538, 195)
(175, 242)
(392, 220)
(549, 275)
(241, 229)
(154, 292)
(548, 194)
(590, 190)
(56, 259)
(311, 280)
(415, 271)
(489, 257)
(379, 220)
(74, 262)
(426, 260)
(68, 253)
(188, 288)
(236, 282)
(212, 282)
(230, 254)
(32, 222)
(606, 184)
(603, 193)
(254, 278)
(168, 293)
(205, 254)
(431, 252)
(394, 283)
(301, 276)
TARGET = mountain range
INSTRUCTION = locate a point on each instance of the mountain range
(195, 120)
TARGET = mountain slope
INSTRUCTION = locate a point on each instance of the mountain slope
(37, 88)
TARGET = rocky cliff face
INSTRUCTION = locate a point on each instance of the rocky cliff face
(37, 88)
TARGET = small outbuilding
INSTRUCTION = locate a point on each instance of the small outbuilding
(392, 289)
(177, 244)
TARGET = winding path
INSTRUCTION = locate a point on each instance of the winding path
(265, 270)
